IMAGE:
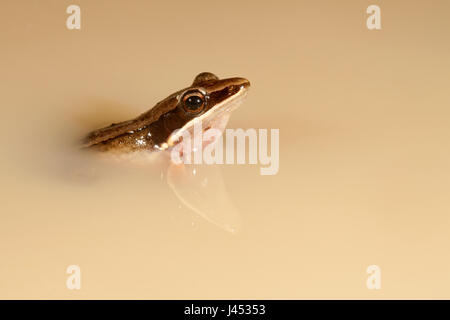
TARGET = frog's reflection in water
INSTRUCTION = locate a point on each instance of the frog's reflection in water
(201, 188)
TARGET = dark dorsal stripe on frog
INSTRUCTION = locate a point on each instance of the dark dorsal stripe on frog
(152, 129)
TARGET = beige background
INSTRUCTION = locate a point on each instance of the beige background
(364, 150)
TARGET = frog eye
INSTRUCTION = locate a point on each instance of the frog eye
(193, 102)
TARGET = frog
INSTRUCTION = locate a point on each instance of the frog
(208, 99)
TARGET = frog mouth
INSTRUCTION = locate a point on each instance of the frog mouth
(216, 118)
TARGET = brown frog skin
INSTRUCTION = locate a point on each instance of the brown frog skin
(208, 99)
